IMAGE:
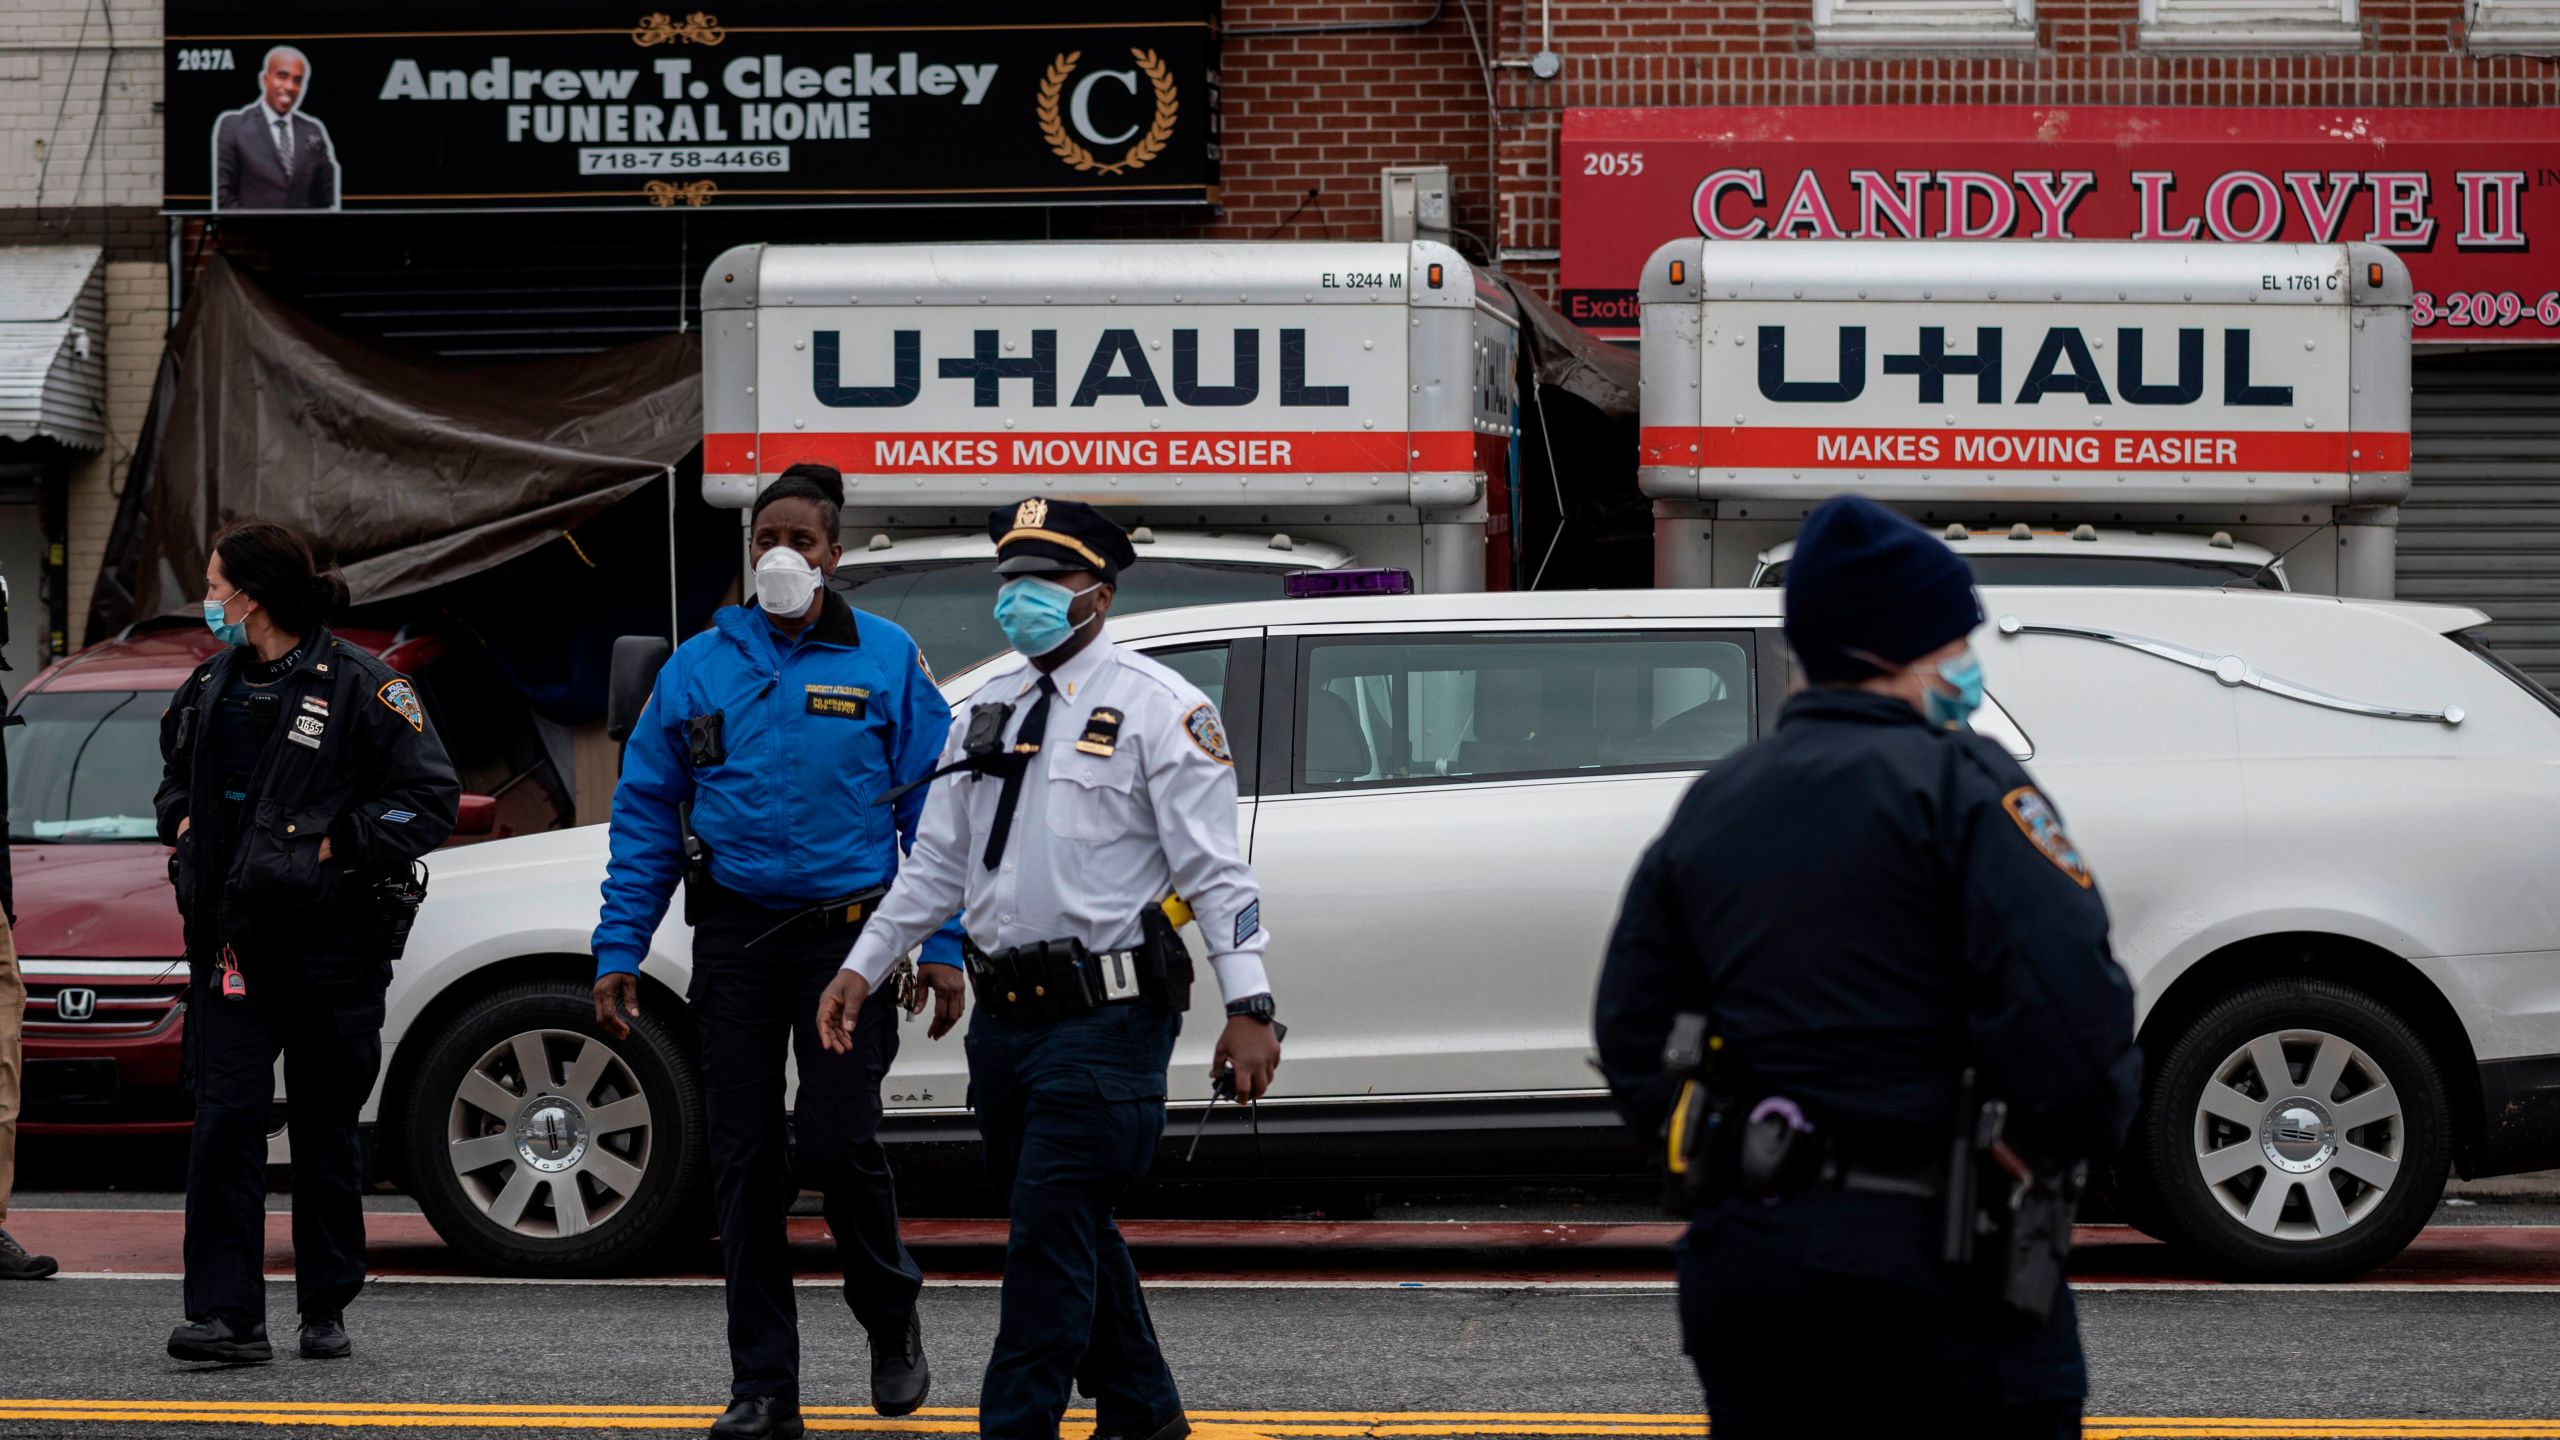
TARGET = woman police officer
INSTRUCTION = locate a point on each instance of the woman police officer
(774, 733)
(299, 773)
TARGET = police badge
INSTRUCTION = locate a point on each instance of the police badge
(1205, 731)
(402, 697)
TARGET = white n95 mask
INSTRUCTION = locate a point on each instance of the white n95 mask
(785, 583)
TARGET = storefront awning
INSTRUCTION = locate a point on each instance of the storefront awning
(53, 345)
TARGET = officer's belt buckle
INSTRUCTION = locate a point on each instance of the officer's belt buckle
(1119, 972)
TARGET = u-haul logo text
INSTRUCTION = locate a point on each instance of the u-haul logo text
(2150, 368)
(998, 369)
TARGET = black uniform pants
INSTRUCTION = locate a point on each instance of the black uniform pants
(754, 1006)
(323, 1011)
(1071, 1113)
(1780, 1304)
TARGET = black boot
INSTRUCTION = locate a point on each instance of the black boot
(759, 1417)
(899, 1377)
(324, 1336)
(17, 1264)
(220, 1342)
(1174, 1429)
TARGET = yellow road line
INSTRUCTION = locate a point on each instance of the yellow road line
(1210, 1424)
(2318, 1425)
(2299, 1425)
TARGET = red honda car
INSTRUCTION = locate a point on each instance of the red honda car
(98, 932)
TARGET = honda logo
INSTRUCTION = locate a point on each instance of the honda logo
(75, 1002)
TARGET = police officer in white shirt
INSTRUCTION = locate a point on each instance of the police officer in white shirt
(1091, 786)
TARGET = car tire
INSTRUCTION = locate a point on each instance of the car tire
(596, 1167)
(2320, 1175)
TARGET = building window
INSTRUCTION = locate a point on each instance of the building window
(1932, 24)
(2250, 25)
(2515, 27)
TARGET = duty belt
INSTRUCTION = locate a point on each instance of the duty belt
(1051, 980)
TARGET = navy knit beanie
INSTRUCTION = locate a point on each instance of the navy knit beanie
(1865, 579)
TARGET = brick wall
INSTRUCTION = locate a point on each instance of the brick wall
(137, 318)
(60, 149)
(1309, 119)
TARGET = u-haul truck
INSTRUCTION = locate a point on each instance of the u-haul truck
(2157, 402)
(1248, 409)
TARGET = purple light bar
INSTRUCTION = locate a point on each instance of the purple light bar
(1313, 584)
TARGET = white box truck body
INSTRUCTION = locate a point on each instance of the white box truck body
(1254, 407)
(2258, 391)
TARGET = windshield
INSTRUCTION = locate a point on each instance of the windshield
(84, 764)
(949, 605)
(2160, 570)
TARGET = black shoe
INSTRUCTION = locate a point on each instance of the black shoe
(324, 1337)
(17, 1264)
(759, 1417)
(899, 1377)
(219, 1342)
(1173, 1429)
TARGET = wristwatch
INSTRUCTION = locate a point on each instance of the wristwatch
(1258, 1007)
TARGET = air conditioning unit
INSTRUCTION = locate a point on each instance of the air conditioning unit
(1413, 202)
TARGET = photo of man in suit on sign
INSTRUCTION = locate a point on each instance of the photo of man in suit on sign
(268, 155)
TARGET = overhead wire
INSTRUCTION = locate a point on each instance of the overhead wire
(53, 141)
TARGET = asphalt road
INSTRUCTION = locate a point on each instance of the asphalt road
(1512, 1346)
(1297, 1360)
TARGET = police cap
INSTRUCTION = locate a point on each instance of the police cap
(1057, 537)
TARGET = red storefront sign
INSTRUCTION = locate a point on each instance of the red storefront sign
(2463, 196)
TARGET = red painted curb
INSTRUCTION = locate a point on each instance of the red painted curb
(149, 1241)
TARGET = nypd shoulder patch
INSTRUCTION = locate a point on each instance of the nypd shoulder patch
(1206, 731)
(402, 698)
(2037, 820)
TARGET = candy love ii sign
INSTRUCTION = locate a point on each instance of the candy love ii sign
(2469, 199)
(324, 105)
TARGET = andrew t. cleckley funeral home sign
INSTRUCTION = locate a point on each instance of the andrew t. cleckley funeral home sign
(298, 105)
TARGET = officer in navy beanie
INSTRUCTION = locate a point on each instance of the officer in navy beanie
(1883, 919)
(1868, 585)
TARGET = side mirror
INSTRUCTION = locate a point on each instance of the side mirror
(477, 815)
(637, 659)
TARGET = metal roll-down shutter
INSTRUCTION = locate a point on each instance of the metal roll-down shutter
(2482, 522)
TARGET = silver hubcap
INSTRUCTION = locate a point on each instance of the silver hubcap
(2299, 1135)
(549, 1133)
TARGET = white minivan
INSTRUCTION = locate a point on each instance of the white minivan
(2324, 829)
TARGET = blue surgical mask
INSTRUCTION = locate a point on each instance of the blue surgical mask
(229, 632)
(1033, 614)
(1965, 673)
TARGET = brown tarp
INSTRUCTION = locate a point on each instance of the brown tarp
(1581, 523)
(1564, 357)
(415, 470)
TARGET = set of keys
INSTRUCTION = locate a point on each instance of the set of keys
(1222, 1086)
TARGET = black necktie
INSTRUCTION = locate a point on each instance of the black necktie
(1026, 747)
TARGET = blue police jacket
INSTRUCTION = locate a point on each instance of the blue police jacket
(1866, 906)
(812, 732)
